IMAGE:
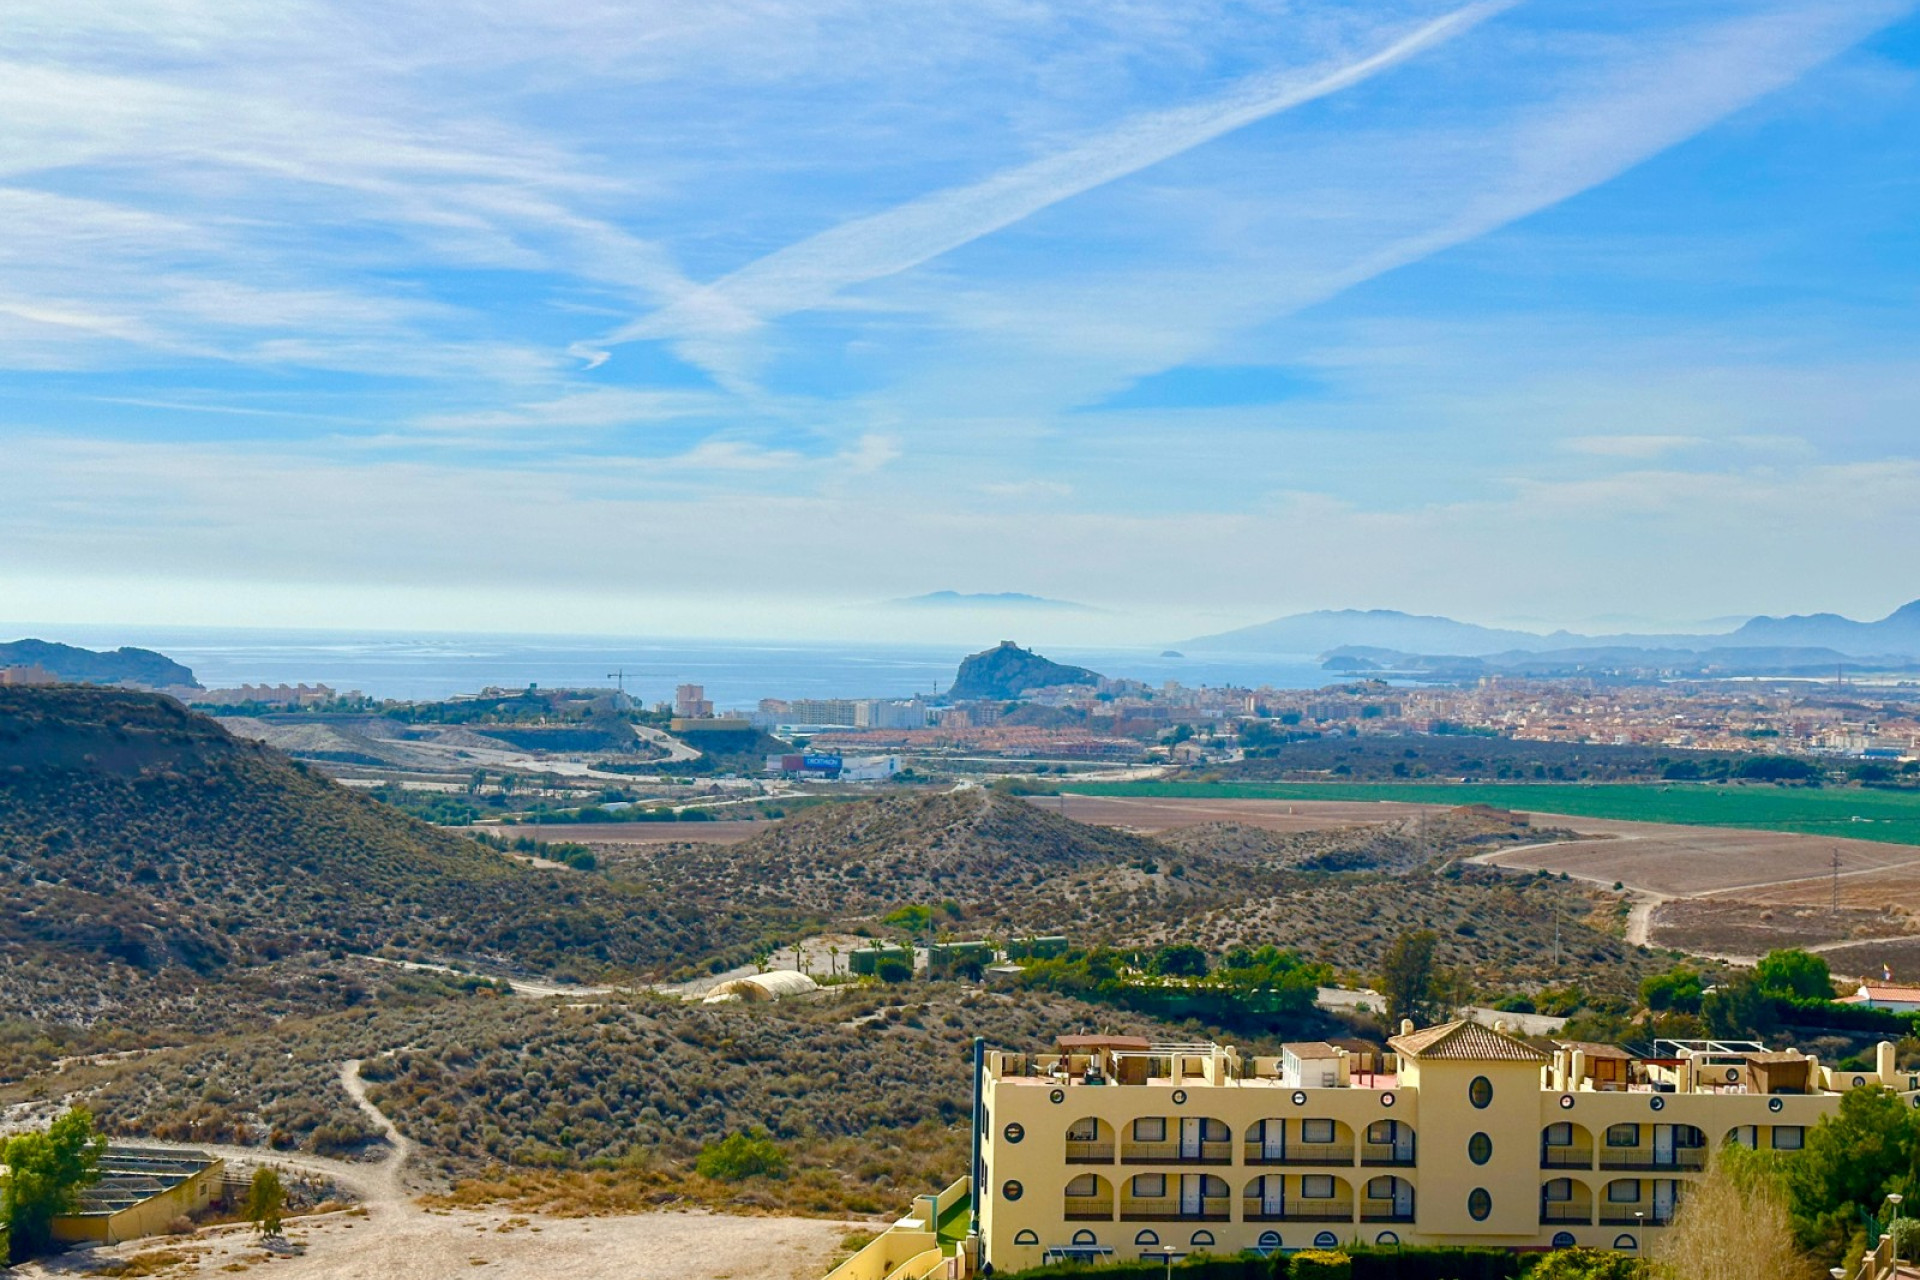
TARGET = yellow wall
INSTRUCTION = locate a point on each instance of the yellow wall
(1432, 1096)
(150, 1217)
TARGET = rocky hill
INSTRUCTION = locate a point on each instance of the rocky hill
(1008, 671)
(138, 836)
(142, 667)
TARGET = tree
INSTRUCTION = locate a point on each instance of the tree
(1678, 990)
(1407, 977)
(1737, 1008)
(1734, 1224)
(1180, 960)
(49, 1170)
(266, 1198)
(1851, 1161)
(893, 969)
(1794, 973)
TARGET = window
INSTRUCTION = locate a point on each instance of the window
(1381, 1188)
(1480, 1092)
(1201, 1239)
(1563, 1240)
(1316, 1131)
(1084, 1185)
(1625, 1243)
(1623, 1135)
(1560, 1135)
(1026, 1236)
(1316, 1186)
(1788, 1137)
(1387, 1237)
(1624, 1191)
(1214, 1188)
(1212, 1130)
(1380, 1132)
(1083, 1236)
(1012, 1190)
(1479, 1148)
(1149, 1186)
(1558, 1191)
(1686, 1135)
(1015, 1132)
(1326, 1240)
(1147, 1237)
(1087, 1130)
(1150, 1129)
(1479, 1204)
(1269, 1239)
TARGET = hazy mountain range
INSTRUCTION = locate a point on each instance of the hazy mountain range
(1325, 630)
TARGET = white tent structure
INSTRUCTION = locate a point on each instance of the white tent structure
(776, 984)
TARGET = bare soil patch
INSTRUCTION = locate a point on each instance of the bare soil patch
(1718, 926)
(424, 1244)
(1162, 813)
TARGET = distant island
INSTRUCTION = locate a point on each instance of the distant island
(1802, 640)
(1008, 671)
(71, 665)
(989, 600)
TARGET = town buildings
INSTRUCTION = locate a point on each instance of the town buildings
(1458, 1135)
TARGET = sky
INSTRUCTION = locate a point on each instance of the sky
(743, 318)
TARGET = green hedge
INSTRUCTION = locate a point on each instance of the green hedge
(1842, 1017)
(1356, 1262)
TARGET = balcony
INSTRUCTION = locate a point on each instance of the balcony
(1612, 1216)
(1385, 1215)
(1385, 1156)
(1089, 1152)
(1089, 1209)
(1330, 1211)
(1566, 1157)
(1168, 1209)
(1318, 1153)
(1643, 1160)
(1566, 1215)
(1169, 1153)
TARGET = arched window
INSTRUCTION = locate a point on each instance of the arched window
(1201, 1239)
(1387, 1237)
(1563, 1239)
(1147, 1237)
(1326, 1240)
(1269, 1239)
(1026, 1235)
(1625, 1242)
(1087, 1184)
(1557, 1191)
(1083, 1236)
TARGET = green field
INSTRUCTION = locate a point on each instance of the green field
(1891, 817)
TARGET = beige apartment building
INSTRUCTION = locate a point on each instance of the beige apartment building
(1114, 1147)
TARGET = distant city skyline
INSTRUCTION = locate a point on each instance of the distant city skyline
(743, 319)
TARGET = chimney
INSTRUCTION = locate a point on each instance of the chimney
(1406, 1026)
(1883, 1062)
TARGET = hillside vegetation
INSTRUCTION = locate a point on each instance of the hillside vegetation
(136, 835)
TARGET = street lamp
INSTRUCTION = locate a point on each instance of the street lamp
(1169, 1253)
(1894, 1198)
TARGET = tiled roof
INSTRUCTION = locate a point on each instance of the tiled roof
(1467, 1040)
(1311, 1049)
(1890, 991)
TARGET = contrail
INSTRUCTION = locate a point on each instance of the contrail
(808, 274)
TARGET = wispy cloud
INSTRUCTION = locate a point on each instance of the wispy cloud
(1636, 447)
(810, 273)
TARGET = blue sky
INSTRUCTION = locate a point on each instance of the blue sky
(733, 319)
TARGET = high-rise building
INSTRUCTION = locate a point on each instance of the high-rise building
(690, 702)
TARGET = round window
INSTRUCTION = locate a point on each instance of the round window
(1479, 1204)
(1179, 1097)
(1386, 1099)
(1015, 1131)
(1299, 1098)
(1479, 1148)
(1480, 1092)
(1774, 1104)
(1566, 1102)
(1657, 1102)
(1057, 1096)
(1012, 1190)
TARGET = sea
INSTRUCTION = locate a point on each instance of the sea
(423, 666)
